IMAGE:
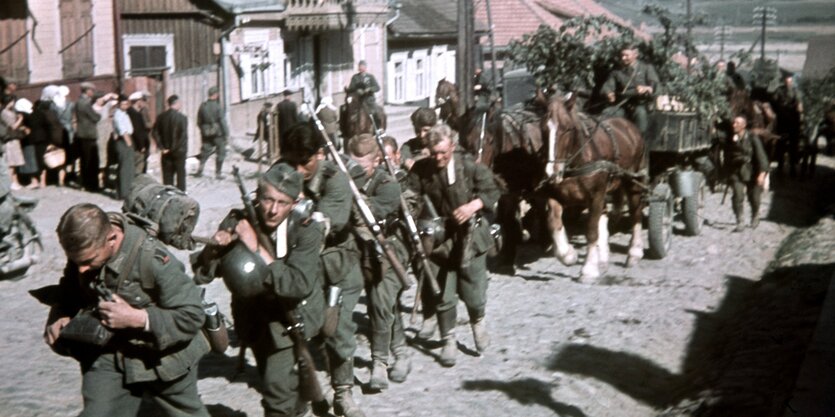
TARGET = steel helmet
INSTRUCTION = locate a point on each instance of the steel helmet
(243, 271)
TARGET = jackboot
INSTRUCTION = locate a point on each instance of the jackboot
(480, 336)
(379, 376)
(200, 168)
(740, 225)
(402, 365)
(446, 323)
(428, 328)
(343, 402)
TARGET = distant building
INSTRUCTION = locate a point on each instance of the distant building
(820, 57)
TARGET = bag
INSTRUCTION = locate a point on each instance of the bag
(86, 327)
(163, 210)
(54, 157)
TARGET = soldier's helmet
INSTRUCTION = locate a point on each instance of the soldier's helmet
(243, 271)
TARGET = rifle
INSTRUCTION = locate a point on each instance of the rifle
(481, 138)
(422, 260)
(365, 211)
(309, 387)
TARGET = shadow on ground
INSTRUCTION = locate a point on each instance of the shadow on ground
(526, 391)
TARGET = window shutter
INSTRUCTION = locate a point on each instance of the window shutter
(246, 75)
(76, 38)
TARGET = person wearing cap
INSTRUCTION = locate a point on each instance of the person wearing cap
(65, 111)
(417, 148)
(121, 145)
(631, 88)
(330, 192)
(365, 86)
(288, 116)
(213, 133)
(155, 314)
(171, 134)
(87, 116)
(286, 277)
(141, 130)
(382, 285)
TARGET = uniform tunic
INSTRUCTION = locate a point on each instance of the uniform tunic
(624, 82)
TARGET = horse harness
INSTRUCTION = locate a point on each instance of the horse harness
(593, 167)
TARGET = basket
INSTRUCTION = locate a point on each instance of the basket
(54, 157)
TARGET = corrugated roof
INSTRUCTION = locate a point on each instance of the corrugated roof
(429, 18)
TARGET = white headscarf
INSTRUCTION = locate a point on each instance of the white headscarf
(327, 101)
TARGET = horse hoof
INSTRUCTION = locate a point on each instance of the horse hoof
(603, 266)
(568, 259)
(587, 279)
(632, 261)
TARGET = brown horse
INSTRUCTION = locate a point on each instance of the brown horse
(355, 117)
(761, 119)
(473, 127)
(587, 159)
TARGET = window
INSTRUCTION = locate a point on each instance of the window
(399, 87)
(148, 54)
(420, 77)
(76, 38)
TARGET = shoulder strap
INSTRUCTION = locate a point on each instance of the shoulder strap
(128, 266)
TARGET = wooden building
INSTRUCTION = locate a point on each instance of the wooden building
(57, 42)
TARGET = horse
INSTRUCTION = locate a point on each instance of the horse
(585, 160)
(473, 126)
(355, 117)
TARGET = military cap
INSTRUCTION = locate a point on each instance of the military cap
(284, 178)
(362, 62)
(213, 90)
(87, 86)
(136, 95)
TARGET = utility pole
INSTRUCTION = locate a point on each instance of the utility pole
(689, 33)
(721, 34)
(764, 15)
(464, 59)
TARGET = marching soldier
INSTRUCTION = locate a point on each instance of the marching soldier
(634, 85)
(383, 286)
(329, 190)
(142, 312)
(418, 147)
(283, 288)
(746, 166)
(459, 191)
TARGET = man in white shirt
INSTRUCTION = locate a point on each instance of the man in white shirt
(122, 147)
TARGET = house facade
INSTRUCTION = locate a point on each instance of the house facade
(61, 42)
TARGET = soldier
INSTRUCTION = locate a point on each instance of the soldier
(285, 279)
(746, 166)
(788, 104)
(481, 91)
(382, 285)
(141, 130)
(119, 277)
(288, 116)
(417, 148)
(365, 86)
(328, 187)
(460, 191)
(634, 85)
(213, 131)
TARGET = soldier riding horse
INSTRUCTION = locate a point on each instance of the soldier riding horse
(355, 116)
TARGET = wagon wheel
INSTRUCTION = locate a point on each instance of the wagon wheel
(660, 221)
(694, 207)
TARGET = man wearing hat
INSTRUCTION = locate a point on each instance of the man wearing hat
(213, 132)
(365, 86)
(141, 130)
(122, 148)
(330, 191)
(171, 133)
(633, 87)
(269, 283)
(87, 116)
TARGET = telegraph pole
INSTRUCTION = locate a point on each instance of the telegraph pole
(721, 34)
(764, 15)
(689, 33)
(464, 59)
(492, 46)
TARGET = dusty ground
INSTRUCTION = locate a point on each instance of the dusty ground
(689, 332)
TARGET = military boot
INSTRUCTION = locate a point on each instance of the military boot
(428, 328)
(200, 168)
(446, 323)
(401, 367)
(480, 336)
(343, 402)
(379, 375)
(740, 225)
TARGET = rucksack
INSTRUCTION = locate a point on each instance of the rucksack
(163, 210)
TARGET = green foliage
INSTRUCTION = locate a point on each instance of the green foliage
(585, 50)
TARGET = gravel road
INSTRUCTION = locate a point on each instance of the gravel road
(720, 324)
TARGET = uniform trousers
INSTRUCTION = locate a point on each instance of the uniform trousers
(174, 163)
(89, 154)
(106, 395)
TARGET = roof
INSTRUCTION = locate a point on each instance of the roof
(429, 18)
(514, 18)
(248, 6)
(820, 57)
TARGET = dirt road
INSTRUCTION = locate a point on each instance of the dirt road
(691, 331)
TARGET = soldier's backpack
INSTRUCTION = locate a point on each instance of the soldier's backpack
(163, 210)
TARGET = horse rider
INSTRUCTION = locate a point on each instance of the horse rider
(632, 86)
(746, 166)
(365, 86)
(481, 91)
